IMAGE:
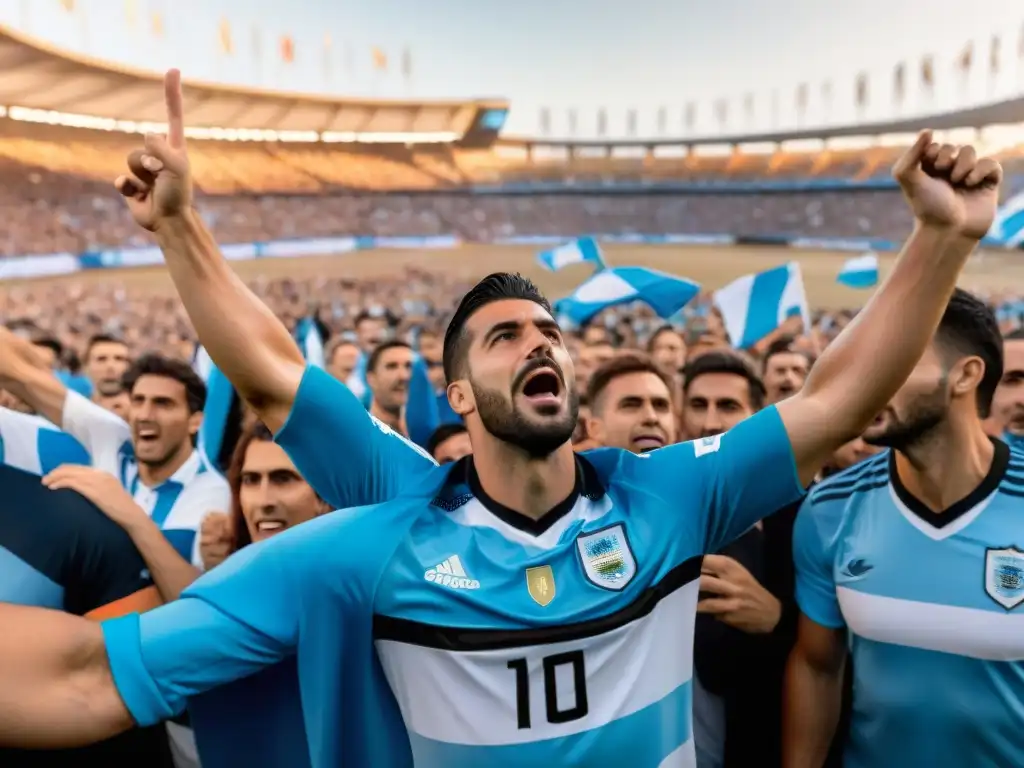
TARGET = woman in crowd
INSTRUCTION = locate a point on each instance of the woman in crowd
(268, 496)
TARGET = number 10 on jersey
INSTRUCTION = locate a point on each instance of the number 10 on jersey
(571, 661)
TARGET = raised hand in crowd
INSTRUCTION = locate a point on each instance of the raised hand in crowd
(216, 539)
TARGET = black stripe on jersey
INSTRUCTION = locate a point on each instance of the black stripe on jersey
(472, 639)
(870, 483)
(850, 480)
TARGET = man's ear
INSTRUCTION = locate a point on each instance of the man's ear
(460, 397)
(967, 375)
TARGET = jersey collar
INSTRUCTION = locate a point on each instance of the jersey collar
(462, 484)
(1000, 461)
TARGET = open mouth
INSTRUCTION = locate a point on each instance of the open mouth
(147, 434)
(268, 527)
(542, 387)
(649, 442)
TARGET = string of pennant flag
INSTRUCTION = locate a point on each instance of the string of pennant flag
(288, 49)
(921, 75)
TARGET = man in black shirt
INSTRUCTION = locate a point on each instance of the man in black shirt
(58, 551)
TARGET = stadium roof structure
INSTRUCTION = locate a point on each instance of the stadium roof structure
(39, 76)
(999, 113)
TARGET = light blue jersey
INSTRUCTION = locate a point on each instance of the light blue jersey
(444, 630)
(934, 605)
(32, 444)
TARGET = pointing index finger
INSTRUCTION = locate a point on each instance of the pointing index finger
(175, 110)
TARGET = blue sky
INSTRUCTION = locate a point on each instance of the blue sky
(563, 54)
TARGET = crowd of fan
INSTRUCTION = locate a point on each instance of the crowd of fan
(58, 197)
(92, 218)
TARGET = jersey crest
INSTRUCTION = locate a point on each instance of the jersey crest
(1004, 576)
(607, 558)
(540, 583)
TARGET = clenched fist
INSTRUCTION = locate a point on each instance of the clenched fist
(158, 184)
(950, 187)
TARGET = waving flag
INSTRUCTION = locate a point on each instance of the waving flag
(860, 272)
(755, 305)
(310, 336)
(665, 294)
(583, 250)
(1008, 228)
(220, 401)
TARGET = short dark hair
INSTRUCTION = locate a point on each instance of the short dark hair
(495, 287)
(378, 352)
(102, 338)
(335, 344)
(152, 364)
(49, 342)
(784, 345)
(442, 433)
(730, 362)
(661, 331)
(621, 365)
(365, 315)
(969, 327)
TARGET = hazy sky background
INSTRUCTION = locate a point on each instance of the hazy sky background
(564, 54)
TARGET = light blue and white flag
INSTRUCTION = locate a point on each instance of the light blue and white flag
(755, 305)
(859, 272)
(583, 250)
(665, 294)
(1008, 227)
(311, 341)
(220, 399)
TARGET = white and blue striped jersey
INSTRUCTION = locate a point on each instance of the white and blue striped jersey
(934, 607)
(32, 444)
(178, 505)
(443, 630)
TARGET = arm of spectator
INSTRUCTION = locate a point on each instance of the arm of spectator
(954, 203)
(813, 694)
(814, 673)
(421, 417)
(169, 569)
(25, 373)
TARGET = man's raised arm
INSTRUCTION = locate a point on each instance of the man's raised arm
(242, 336)
(953, 194)
(309, 412)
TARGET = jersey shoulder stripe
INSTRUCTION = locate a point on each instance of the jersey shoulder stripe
(866, 476)
(1012, 482)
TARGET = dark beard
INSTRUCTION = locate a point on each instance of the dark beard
(923, 415)
(501, 419)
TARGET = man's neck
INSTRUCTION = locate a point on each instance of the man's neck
(392, 418)
(152, 475)
(531, 487)
(947, 466)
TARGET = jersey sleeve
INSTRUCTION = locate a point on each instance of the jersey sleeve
(235, 620)
(33, 444)
(736, 478)
(101, 432)
(106, 575)
(348, 456)
(813, 557)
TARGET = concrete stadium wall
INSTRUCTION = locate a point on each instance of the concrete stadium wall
(712, 266)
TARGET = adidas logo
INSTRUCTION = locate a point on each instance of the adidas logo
(451, 574)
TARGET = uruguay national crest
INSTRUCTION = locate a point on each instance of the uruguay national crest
(607, 559)
(1004, 576)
